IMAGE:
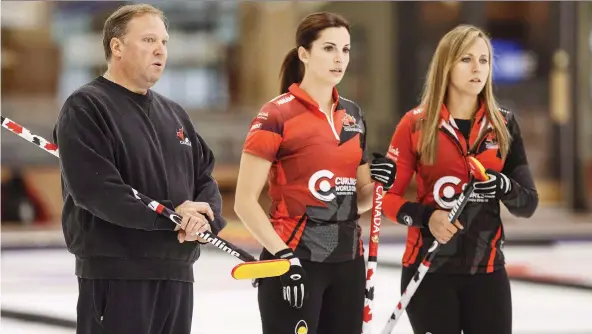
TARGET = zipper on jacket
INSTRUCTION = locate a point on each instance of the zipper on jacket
(462, 153)
(460, 239)
(480, 139)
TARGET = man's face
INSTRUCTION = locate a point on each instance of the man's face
(143, 53)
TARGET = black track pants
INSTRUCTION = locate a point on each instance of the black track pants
(134, 306)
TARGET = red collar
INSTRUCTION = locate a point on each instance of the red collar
(301, 95)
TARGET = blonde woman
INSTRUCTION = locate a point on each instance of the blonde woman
(467, 288)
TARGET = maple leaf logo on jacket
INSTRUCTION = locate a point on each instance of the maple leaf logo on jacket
(348, 120)
(350, 124)
(182, 135)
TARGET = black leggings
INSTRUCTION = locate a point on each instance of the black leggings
(449, 304)
(335, 302)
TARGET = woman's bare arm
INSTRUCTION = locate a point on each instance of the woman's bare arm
(252, 177)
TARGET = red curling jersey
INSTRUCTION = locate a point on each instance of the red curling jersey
(312, 181)
(477, 248)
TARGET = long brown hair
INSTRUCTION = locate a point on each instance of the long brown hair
(308, 31)
(450, 49)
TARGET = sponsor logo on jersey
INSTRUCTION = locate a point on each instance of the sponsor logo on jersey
(448, 191)
(255, 127)
(263, 115)
(491, 143)
(285, 99)
(325, 186)
(349, 123)
(393, 153)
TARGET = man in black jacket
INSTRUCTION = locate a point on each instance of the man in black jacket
(134, 267)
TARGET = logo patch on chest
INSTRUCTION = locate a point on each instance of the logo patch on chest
(491, 145)
(182, 136)
(491, 142)
(325, 186)
(350, 124)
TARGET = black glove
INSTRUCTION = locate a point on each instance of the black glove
(383, 170)
(294, 281)
(496, 187)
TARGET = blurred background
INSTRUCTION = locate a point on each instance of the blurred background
(224, 62)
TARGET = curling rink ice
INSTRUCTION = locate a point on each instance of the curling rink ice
(42, 282)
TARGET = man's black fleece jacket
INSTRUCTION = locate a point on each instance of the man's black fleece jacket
(112, 140)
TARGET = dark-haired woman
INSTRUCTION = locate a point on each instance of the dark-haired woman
(309, 144)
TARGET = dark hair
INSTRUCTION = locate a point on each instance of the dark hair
(308, 31)
(116, 25)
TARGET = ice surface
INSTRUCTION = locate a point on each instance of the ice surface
(43, 282)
